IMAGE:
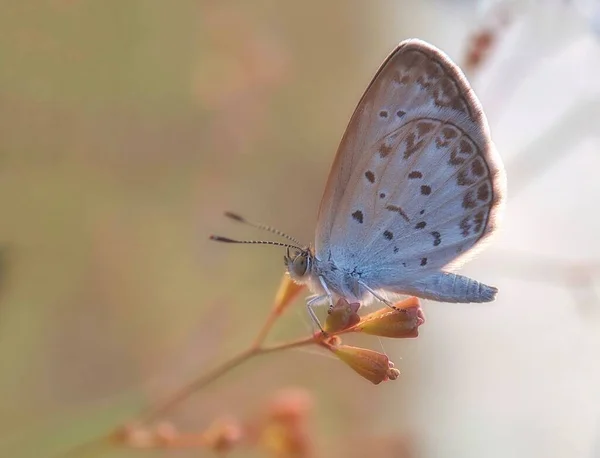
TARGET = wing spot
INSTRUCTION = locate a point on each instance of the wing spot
(394, 208)
(421, 225)
(412, 145)
(383, 114)
(382, 195)
(463, 179)
(422, 212)
(388, 235)
(424, 128)
(400, 113)
(370, 176)
(478, 168)
(465, 227)
(358, 216)
(415, 174)
(469, 200)
(425, 190)
(423, 261)
(465, 147)
(448, 133)
(384, 150)
(437, 238)
(396, 249)
(483, 193)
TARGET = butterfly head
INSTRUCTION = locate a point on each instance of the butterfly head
(299, 264)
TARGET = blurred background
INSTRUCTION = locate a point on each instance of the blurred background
(127, 128)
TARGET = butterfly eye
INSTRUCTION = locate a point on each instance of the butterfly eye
(300, 264)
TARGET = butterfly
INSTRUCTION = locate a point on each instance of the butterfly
(415, 189)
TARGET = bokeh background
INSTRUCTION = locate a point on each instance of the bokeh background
(127, 128)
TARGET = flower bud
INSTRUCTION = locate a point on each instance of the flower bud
(223, 435)
(403, 321)
(369, 364)
(342, 316)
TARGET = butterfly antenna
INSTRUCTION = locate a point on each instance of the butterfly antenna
(218, 238)
(241, 219)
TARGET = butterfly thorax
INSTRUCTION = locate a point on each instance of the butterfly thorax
(306, 269)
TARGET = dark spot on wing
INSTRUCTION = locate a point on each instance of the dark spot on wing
(358, 216)
(415, 174)
(463, 178)
(412, 145)
(400, 113)
(469, 200)
(394, 208)
(396, 249)
(383, 114)
(437, 238)
(422, 212)
(483, 192)
(388, 235)
(423, 261)
(425, 190)
(370, 176)
(421, 225)
(382, 195)
(465, 227)
(384, 150)
(477, 167)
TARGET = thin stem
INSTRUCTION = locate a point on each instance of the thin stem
(292, 344)
(164, 407)
(157, 411)
(264, 331)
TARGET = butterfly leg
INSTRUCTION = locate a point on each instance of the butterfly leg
(329, 295)
(309, 306)
(379, 297)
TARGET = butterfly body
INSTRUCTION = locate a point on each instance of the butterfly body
(415, 189)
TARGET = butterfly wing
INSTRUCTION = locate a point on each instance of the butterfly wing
(416, 182)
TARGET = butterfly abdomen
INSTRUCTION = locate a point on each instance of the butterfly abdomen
(449, 287)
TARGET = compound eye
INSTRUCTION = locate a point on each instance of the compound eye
(300, 264)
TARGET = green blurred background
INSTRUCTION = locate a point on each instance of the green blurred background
(128, 127)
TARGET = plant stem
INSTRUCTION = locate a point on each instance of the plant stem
(161, 409)
(164, 407)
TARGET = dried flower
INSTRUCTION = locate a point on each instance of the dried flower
(165, 434)
(136, 436)
(290, 405)
(342, 316)
(285, 431)
(223, 435)
(399, 323)
(370, 364)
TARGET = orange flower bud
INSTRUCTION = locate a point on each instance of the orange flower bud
(290, 405)
(369, 364)
(165, 434)
(223, 435)
(288, 291)
(135, 436)
(387, 322)
(285, 431)
(342, 316)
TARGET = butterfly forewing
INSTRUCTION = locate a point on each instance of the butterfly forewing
(416, 182)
